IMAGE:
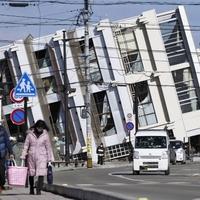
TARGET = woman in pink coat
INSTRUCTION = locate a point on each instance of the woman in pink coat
(38, 151)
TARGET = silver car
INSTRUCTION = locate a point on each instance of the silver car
(178, 147)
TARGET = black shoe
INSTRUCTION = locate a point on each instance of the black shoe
(32, 191)
(38, 191)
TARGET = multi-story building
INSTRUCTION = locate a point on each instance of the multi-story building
(150, 58)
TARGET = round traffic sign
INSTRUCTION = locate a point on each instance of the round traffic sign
(129, 126)
(17, 116)
(15, 99)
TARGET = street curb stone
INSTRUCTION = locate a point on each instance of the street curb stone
(83, 193)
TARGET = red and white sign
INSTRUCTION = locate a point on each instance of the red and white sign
(15, 99)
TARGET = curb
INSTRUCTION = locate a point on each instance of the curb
(83, 193)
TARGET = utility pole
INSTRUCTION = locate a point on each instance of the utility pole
(66, 110)
(136, 108)
(88, 84)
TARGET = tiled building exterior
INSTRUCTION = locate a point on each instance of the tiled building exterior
(152, 54)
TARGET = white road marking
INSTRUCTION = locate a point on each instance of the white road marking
(85, 185)
(176, 183)
(116, 184)
(197, 174)
(149, 183)
(123, 177)
(64, 184)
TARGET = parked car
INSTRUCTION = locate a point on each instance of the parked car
(178, 147)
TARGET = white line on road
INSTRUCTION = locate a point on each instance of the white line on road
(116, 184)
(176, 183)
(137, 180)
(85, 184)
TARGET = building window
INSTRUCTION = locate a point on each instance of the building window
(95, 73)
(173, 40)
(49, 84)
(104, 114)
(129, 51)
(6, 82)
(146, 112)
(43, 58)
(186, 90)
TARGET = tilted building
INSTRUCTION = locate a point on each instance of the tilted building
(150, 58)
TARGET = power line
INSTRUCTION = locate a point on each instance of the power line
(111, 3)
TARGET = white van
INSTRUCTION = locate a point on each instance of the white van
(151, 152)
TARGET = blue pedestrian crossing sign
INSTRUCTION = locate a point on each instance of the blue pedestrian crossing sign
(25, 87)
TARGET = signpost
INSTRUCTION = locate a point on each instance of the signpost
(24, 89)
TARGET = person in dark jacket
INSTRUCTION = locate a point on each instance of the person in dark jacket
(5, 147)
(100, 153)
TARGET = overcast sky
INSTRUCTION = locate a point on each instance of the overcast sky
(45, 18)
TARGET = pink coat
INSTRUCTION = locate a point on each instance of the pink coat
(39, 152)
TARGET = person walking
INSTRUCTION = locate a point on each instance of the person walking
(100, 153)
(5, 147)
(38, 151)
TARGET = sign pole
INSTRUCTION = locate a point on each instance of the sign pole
(25, 115)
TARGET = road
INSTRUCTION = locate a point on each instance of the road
(183, 183)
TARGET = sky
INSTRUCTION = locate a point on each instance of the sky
(45, 17)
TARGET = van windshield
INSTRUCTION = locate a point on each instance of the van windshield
(149, 142)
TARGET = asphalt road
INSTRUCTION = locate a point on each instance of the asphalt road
(183, 183)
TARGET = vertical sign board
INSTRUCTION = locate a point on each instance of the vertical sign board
(25, 88)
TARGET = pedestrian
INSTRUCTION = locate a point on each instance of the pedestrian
(5, 148)
(100, 153)
(39, 153)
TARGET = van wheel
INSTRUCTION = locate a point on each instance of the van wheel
(183, 162)
(167, 172)
(136, 172)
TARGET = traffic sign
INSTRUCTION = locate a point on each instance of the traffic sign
(15, 99)
(129, 115)
(25, 87)
(17, 116)
(129, 126)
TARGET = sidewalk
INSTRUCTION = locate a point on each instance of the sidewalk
(21, 193)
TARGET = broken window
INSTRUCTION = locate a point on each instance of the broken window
(49, 84)
(43, 58)
(94, 70)
(146, 112)
(173, 41)
(186, 90)
(104, 113)
(129, 51)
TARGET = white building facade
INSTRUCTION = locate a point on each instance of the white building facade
(150, 58)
